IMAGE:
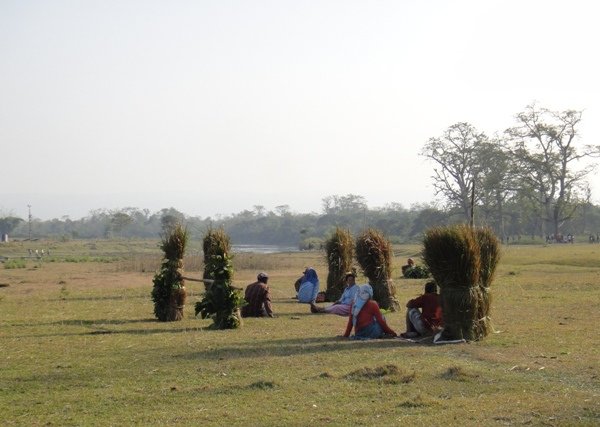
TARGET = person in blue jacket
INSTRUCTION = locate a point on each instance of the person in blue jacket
(309, 286)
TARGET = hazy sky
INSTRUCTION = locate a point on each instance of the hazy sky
(212, 107)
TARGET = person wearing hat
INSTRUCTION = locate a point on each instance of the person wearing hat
(343, 305)
(258, 297)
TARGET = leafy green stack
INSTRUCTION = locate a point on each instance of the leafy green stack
(462, 261)
(168, 292)
(373, 253)
(339, 250)
(221, 301)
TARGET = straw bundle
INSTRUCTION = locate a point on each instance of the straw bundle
(490, 256)
(452, 255)
(339, 251)
(373, 253)
(463, 262)
(168, 292)
(221, 301)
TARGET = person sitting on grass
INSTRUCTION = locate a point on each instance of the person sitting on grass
(429, 319)
(342, 306)
(366, 318)
(309, 286)
(409, 264)
(258, 297)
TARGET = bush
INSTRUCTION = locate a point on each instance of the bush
(416, 272)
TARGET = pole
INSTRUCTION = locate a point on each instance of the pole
(29, 206)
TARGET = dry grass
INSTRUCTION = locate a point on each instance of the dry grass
(79, 346)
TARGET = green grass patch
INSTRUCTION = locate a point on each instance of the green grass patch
(80, 346)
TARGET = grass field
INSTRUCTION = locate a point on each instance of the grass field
(79, 346)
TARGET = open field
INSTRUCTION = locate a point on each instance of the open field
(79, 346)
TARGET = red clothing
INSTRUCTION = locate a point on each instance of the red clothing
(367, 314)
(259, 301)
(431, 309)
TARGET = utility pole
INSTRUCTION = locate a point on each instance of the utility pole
(29, 206)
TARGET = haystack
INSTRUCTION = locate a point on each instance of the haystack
(339, 251)
(462, 261)
(373, 253)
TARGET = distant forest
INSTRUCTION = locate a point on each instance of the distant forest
(305, 230)
(526, 182)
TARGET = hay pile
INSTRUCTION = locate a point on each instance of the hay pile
(221, 301)
(339, 252)
(168, 292)
(463, 261)
(373, 253)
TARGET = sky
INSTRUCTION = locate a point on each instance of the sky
(213, 107)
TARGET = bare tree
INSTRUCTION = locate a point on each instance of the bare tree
(544, 147)
(457, 158)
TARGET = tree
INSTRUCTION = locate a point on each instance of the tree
(457, 157)
(544, 145)
(8, 224)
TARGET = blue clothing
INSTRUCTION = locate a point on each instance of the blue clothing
(349, 295)
(309, 286)
(308, 292)
(373, 331)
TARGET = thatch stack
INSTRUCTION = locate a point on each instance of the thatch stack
(221, 301)
(490, 256)
(168, 292)
(462, 261)
(339, 251)
(373, 253)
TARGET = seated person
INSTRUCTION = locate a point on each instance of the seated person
(343, 305)
(429, 319)
(258, 297)
(309, 286)
(410, 263)
(366, 319)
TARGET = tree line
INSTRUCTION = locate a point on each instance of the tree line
(528, 180)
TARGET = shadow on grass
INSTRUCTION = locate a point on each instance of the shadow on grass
(101, 298)
(290, 347)
(85, 322)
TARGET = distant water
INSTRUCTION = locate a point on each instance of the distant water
(264, 249)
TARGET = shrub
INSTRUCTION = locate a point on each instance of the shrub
(221, 301)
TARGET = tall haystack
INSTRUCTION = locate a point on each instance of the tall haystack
(489, 247)
(462, 261)
(221, 301)
(339, 251)
(168, 292)
(373, 253)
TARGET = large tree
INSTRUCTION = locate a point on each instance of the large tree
(8, 224)
(545, 149)
(456, 154)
